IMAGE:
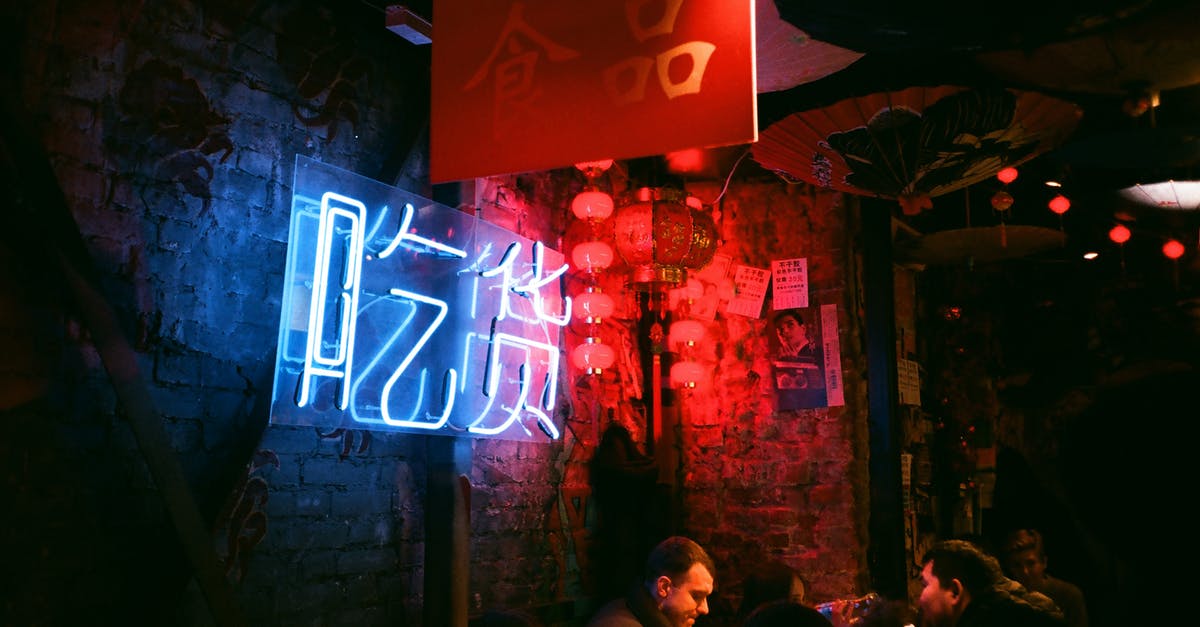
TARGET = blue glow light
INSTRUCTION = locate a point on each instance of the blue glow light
(406, 321)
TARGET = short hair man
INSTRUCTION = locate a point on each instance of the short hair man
(674, 590)
(964, 587)
(1025, 561)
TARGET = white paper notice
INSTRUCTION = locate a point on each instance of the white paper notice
(789, 283)
(749, 291)
(908, 379)
(832, 348)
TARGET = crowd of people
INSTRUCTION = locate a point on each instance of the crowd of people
(962, 585)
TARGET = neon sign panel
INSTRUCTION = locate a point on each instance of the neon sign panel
(401, 314)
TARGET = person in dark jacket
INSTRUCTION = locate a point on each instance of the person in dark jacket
(1025, 561)
(965, 587)
(673, 593)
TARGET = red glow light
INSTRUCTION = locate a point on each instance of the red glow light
(1059, 204)
(1119, 234)
(689, 161)
(1173, 249)
(1007, 175)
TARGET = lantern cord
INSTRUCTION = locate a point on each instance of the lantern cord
(730, 177)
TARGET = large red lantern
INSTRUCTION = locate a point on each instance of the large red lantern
(661, 237)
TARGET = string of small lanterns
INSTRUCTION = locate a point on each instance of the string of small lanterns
(592, 257)
(1119, 234)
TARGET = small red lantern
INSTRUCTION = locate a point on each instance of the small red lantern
(687, 374)
(593, 305)
(1173, 249)
(592, 204)
(686, 331)
(592, 256)
(1002, 201)
(1007, 175)
(1119, 234)
(1059, 204)
(593, 356)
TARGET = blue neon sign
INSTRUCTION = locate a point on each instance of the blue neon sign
(401, 314)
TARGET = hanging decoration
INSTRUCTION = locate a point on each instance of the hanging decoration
(917, 143)
(592, 257)
(662, 233)
(1120, 234)
(683, 336)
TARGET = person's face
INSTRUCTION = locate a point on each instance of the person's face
(1028, 568)
(938, 606)
(796, 593)
(791, 331)
(686, 598)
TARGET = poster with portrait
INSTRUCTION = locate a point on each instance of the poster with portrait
(805, 357)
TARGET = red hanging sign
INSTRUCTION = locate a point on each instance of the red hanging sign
(540, 84)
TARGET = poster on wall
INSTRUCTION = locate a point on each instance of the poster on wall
(789, 283)
(749, 291)
(806, 360)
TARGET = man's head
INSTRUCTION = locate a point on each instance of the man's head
(1025, 558)
(790, 327)
(954, 572)
(679, 576)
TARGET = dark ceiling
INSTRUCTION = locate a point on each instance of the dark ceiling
(1097, 56)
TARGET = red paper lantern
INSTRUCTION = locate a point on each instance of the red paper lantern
(1173, 249)
(688, 331)
(1007, 175)
(1059, 204)
(1002, 201)
(593, 305)
(693, 290)
(592, 256)
(592, 204)
(660, 237)
(593, 356)
(1119, 234)
(687, 374)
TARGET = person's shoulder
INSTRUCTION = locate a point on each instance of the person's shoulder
(1063, 584)
(615, 613)
(1013, 607)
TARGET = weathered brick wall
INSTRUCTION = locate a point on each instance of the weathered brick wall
(784, 484)
(172, 128)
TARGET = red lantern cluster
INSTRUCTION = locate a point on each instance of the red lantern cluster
(592, 257)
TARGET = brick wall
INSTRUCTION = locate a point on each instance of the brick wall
(172, 129)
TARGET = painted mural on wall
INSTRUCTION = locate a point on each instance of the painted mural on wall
(401, 314)
(167, 127)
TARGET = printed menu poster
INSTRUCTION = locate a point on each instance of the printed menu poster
(749, 291)
(806, 365)
(789, 283)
